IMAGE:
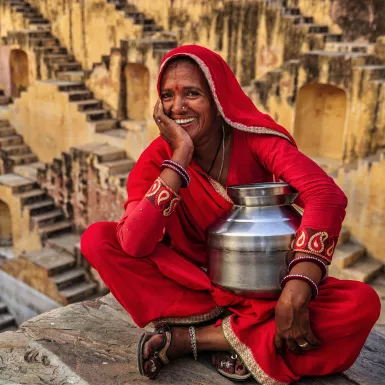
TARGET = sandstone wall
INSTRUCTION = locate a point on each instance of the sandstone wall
(48, 122)
(365, 189)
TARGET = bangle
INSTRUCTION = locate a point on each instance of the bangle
(178, 169)
(309, 258)
(300, 277)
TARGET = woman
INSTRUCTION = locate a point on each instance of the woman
(154, 259)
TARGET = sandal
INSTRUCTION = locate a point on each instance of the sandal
(229, 362)
(159, 358)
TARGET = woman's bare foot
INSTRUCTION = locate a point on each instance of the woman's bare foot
(229, 363)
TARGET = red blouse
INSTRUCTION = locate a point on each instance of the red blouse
(254, 158)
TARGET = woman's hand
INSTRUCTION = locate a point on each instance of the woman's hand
(292, 319)
(178, 139)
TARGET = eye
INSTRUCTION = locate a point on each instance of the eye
(165, 95)
(192, 94)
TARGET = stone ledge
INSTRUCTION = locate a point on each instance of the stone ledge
(95, 342)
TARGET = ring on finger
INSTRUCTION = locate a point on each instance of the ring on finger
(304, 345)
(158, 120)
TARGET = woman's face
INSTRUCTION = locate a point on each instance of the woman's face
(187, 99)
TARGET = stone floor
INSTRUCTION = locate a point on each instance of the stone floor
(95, 342)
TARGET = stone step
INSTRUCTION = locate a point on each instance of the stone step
(4, 100)
(79, 291)
(17, 183)
(4, 123)
(71, 76)
(40, 207)
(23, 158)
(105, 124)
(347, 254)
(57, 49)
(48, 217)
(105, 152)
(51, 261)
(30, 170)
(10, 328)
(32, 196)
(6, 320)
(10, 140)
(17, 150)
(38, 20)
(55, 229)
(64, 66)
(120, 166)
(79, 95)
(365, 270)
(65, 243)
(84, 105)
(97, 114)
(68, 86)
(3, 308)
(44, 42)
(164, 44)
(69, 277)
(59, 58)
(375, 71)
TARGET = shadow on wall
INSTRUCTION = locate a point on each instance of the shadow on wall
(19, 72)
(320, 116)
(5, 225)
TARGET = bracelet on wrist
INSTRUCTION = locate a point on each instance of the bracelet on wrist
(308, 258)
(180, 170)
(300, 277)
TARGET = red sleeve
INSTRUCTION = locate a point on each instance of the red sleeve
(324, 202)
(144, 221)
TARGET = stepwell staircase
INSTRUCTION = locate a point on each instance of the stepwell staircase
(13, 150)
(148, 24)
(62, 67)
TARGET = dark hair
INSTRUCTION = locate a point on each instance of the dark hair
(181, 59)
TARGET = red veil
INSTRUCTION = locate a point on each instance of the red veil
(233, 104)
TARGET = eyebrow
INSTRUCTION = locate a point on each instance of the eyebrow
(183, 87)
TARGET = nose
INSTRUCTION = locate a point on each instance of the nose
(178, 106)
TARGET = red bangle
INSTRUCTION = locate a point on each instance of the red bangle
(309, 258)
(300, 277)
(178, 166)
(179, 170)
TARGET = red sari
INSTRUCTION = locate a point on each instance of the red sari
(154, 265)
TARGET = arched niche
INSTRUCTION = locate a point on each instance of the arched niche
(19, 72)
(320, 115)
(137, 91)
(5, 225)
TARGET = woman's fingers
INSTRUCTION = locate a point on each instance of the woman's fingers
(279, 344)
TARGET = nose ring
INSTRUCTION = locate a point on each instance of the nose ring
(183, 107)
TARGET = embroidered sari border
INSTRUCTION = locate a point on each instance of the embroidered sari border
(247, 356)
(195, 319)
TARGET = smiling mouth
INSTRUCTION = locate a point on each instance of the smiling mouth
(184, 121)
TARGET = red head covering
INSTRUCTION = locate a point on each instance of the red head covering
(233, 104)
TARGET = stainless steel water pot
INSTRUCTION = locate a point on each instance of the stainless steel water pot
(248, 248)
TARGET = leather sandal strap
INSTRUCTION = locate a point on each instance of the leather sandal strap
(162, 354)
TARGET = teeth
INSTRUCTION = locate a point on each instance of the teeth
(184, 121)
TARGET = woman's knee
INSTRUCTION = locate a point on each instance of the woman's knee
(367, 303)
(93, 242)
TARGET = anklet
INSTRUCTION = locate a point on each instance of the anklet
(193, 338)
